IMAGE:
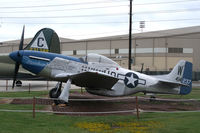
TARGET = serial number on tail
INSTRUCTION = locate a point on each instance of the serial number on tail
(186, 81)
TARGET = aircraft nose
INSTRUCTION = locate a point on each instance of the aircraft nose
(16, 56)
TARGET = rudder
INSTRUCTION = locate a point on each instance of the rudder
(182, 73)
(45, 40)
(187, 79)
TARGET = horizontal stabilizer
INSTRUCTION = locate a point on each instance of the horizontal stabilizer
(175, 83)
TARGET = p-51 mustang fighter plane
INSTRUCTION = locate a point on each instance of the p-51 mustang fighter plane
(100, 75)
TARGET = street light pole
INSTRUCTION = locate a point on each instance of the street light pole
(130, 36)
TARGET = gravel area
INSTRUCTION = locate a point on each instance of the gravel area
(108, 105)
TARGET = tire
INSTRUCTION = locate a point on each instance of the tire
(53, 94)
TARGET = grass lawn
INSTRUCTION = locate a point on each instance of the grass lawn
(21, 107)
(32, 93)
(51, 123)
(24, 94)
(15, 122)
(194, 94)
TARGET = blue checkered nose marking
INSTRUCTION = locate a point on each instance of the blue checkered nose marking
(131, 80)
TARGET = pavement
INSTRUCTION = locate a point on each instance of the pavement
(32, 85)
(196, 84)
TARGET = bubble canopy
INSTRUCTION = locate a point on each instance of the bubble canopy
(98, 59)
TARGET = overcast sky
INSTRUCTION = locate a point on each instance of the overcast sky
(93, 18)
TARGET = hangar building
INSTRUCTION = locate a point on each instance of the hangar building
(158, 50)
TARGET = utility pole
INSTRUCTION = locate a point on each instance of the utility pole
(130, 36)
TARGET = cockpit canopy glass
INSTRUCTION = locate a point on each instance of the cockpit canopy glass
(98, 59)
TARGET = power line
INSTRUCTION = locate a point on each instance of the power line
(166, 20)
(103, 15)
(101, 33)
(169, 2)
(58, 5)
(85, 8)
(96, 2)
(168, 11)
(114, 22)
(27, 1)
(69, 16)
(108, 22)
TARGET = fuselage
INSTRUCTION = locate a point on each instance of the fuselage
(49, 65)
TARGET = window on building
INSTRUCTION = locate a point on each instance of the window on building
(116, 51)
(74, 52)
(175, 50)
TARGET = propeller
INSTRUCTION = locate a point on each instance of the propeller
(17, 64)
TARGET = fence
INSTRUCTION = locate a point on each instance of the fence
(135, 110)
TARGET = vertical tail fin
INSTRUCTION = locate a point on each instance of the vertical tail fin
(182, 72)
(45, 40)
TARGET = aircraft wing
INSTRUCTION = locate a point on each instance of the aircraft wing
(90, 79)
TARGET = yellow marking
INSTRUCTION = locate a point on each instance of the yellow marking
(39, 49)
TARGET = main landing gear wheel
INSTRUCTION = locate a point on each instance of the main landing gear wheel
(55, 93)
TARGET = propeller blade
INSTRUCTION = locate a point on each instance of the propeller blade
(13, 85)
(22, 39)
(17, 64)
(15, 74)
